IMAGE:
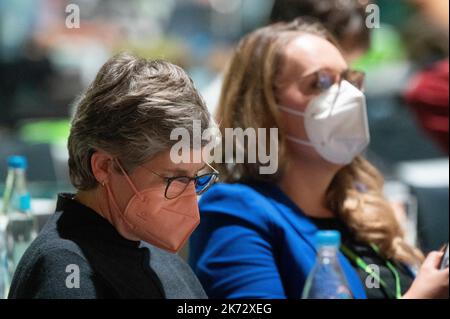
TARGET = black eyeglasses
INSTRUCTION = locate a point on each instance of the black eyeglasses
(322, 80)
(176, 185)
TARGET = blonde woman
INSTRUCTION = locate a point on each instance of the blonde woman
(256, 239)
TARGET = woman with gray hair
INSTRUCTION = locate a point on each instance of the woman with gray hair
(134, 206)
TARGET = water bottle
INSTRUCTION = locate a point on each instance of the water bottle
(327, 280)
(3, 260)
(21, 228)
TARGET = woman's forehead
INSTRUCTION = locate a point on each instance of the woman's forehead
(309, 53)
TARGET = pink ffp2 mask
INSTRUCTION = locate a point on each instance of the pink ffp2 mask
(164, 223)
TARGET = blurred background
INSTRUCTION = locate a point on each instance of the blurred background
(45, 65)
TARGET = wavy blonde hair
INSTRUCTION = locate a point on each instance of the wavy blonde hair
(248, 101)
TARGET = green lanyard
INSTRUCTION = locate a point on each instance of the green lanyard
(363, 265)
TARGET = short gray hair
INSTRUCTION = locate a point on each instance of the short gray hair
(129, 111)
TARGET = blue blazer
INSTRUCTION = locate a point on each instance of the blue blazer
(254, 242)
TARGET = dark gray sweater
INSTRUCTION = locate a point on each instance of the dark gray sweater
(79, 254)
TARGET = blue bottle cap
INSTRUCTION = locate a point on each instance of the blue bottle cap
(328, 238)
(17, 161)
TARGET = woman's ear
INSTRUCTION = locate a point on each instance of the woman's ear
(101, 165)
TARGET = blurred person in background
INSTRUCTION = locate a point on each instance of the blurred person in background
(344, 19)
(256, 239)
(133, 207)
(406, 42)
(428, 90)
(428, 94)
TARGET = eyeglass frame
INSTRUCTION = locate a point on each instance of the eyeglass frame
(342, 76)
(215, 176)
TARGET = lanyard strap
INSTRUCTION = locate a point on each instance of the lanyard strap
(398, 288)
(363, 265)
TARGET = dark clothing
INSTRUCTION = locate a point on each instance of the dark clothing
(370, 257)
(79, 243)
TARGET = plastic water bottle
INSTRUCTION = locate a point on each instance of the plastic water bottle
(327, 280)
(21, 227)
(3, 260)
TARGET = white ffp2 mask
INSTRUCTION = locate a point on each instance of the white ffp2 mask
(336, 123)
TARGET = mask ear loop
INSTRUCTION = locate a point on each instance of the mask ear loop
(111, 196)
(138, 194)
(122, 214)
(299, 141)
(291, 111)
(295, 113)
